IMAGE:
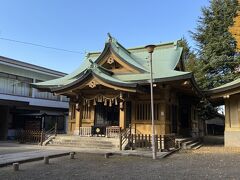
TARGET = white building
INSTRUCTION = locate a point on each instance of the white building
(21, 106)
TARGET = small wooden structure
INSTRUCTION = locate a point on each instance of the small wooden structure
(229, 95)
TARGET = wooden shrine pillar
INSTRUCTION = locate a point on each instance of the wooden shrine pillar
(71, 118)
(78, 115)
(122, 117)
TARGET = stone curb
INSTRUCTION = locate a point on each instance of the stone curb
(171, 152)
(34, 159)
(166, 154)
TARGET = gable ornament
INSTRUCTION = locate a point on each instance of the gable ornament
(92, 84)
(110, 60)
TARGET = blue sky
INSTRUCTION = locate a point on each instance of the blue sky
(83, 26)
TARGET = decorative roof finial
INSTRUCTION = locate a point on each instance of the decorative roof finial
(87, 54)
(109, 37)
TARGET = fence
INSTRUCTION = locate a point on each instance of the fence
(162, 142)
(35, 136)
(30, 136)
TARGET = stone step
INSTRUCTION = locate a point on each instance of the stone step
(82, 145)
(192, 145)
(83, 137)
(86, 142)
(189, 143)
(89, 140)
(181, 141)
(197, 147)
(85, 147)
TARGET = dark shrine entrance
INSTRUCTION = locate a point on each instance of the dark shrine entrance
(106, 115)
(185, 115)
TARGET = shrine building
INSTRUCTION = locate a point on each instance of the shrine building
(111, 89)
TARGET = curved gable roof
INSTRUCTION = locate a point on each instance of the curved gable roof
(166, 56)
(122, 53)
(99, 73)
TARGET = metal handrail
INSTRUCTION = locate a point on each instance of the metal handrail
(45, 135)
(50, 131)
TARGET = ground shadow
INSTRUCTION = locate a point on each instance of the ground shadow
(213, 140)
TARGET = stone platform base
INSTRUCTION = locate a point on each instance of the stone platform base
(232, 138)
(76, 132)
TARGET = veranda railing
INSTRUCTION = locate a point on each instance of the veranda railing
(113, 131)
(85, 131)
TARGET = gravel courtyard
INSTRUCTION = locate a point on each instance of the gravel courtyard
(205, 163)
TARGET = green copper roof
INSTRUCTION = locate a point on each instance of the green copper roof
(126, 55)
(166, 57)
(95, 71)
(225, 87)
(145, 77)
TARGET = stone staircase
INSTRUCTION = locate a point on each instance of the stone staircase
(189, 143)
(85, 142)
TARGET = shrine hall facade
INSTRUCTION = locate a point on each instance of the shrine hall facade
(111, 89)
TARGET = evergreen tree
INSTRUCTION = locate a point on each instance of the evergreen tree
(216, 45)
(191, 62)
(189, 56)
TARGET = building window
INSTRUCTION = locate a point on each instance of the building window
(86, 112)
(143, 111)
(15, 85)
(45, 95)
